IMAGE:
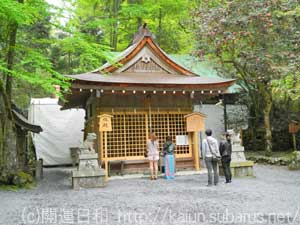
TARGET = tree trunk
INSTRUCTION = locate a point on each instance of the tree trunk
(139, 22)
(8, 132)
(10, 58)
(159, 32)
(21, 149)
(6, 125)
(2, 130)
(116, 5)
(267, 123)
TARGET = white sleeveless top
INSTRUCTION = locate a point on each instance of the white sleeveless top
(153, 147)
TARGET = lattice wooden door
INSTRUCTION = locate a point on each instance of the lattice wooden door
(130, 132)
(171, 124)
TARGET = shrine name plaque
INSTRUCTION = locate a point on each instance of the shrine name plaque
(105, 122)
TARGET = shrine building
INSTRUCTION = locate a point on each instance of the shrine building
(144, 91)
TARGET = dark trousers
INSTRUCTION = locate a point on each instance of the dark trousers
(212, 166)
(226, 167)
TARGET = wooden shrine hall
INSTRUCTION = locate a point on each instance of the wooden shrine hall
(143, 91)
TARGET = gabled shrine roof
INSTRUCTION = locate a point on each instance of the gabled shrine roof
(144, 63)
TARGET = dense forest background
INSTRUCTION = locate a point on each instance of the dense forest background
(257, 42)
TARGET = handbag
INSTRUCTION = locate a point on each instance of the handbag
(215, 157)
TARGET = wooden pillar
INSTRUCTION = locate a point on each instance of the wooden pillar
(225, 113)
(101, 147)
(196, 150)
(191, 142)
(105, 155)
(105, 126)
(294, 142)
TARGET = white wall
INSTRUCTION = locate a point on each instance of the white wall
(215, 117)
(61, 130)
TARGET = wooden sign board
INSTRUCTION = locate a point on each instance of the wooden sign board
(294, 127)
(195, 122)
(105, 122)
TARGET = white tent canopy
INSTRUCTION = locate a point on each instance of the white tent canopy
(61, 130)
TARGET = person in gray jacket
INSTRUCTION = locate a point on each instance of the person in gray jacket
(210, 152)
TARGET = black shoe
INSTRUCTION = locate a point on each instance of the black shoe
(227, 182)
(208, 185)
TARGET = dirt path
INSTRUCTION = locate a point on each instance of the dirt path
(271, 198)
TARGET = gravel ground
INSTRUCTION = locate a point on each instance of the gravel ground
(270, 198)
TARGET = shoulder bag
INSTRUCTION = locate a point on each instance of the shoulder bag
(215, 156)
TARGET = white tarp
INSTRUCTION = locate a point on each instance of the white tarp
(61, 130)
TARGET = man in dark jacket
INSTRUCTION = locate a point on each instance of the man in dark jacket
(225, 151)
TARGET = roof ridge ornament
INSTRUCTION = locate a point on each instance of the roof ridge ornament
(142, 32)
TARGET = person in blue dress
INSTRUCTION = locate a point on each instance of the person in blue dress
(168, 150)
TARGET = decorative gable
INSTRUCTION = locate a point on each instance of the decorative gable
(144, 55)
(146, 61)
(146, 65)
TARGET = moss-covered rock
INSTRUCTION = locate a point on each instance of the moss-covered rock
(22, 179)
(278, 158)
(6, 177)
(295, 162)
(11, 180)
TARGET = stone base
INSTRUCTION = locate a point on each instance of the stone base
(240, 169)
(88, 179)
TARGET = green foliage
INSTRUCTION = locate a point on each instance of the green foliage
(8, 187)
(16, 181)
(255, 41)
(76, 54)
(36, 69)
(248, 38)
(31, 62)
(288, 86)
(27, 69)
(22, 179)
(22, 14)
(114, 22)
(274, 158)
(295, 161)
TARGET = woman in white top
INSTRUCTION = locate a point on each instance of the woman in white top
(153, 155)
